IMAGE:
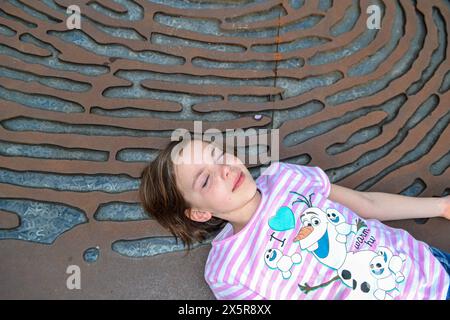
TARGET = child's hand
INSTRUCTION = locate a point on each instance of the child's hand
(446, 207)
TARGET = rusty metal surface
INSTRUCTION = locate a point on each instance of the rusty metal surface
(83, 110)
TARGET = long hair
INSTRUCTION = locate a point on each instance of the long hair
(161, 199)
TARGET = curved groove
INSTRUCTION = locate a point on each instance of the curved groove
(24, 124)
(40, 101)
(309, 132)
(134, 12)
(362, 41)
(118, 32)
(26, 24)
(348, 21)
(401, 67)
(85, 41)
(29, 38)
(324, 5)
(152, 246)
(6, 31)
(33, 12)
(120, 211)
(418, 151)
(49, 81)
(429, 138)
(185, 114)
(207, 4)
(359, 137)
(251, 65)
(51, 62)
(303, 110)
(414, 190)
(296, 4)
(391, 108)
(48, 151)
(285, 47)
(166, 40)
(137, 76)
(294, 87)
(212, 26)
(41, 222)
(136, 155)
(445, 86)
(272, 13)
(371, 63)
(108, 183)
(438, 56)
(438, 167)
(185, 99)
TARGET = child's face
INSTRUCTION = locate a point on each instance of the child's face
(210, 184)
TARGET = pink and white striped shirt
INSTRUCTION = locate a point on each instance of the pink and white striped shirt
(300, 245)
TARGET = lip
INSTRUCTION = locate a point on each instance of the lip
(239, 180)
(378, 272)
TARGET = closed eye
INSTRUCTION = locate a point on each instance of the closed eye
(206, 182)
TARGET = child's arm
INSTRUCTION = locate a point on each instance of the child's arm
(387, 206)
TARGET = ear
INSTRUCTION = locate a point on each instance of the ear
(198, 215)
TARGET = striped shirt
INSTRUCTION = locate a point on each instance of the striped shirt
(300, 245)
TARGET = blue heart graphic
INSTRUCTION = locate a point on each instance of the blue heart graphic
(283, 220)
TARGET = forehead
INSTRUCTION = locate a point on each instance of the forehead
(192, 152)
(192, 156)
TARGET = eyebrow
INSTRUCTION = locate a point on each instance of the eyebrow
(199, 172)
(309, 213)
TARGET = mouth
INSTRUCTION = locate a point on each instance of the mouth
(239, 180)
(378, 272)
(323, 249)
(274, 255)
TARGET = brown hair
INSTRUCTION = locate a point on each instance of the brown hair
(161, 198)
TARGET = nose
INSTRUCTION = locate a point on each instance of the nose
(303, 233)
(225, 171)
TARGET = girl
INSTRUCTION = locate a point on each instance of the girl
(291, 234)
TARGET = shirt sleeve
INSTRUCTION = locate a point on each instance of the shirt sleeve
(325, 181)
(225, 291)
(316, 174)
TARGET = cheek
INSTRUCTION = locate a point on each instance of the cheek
(220, 195)
(219, 191)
